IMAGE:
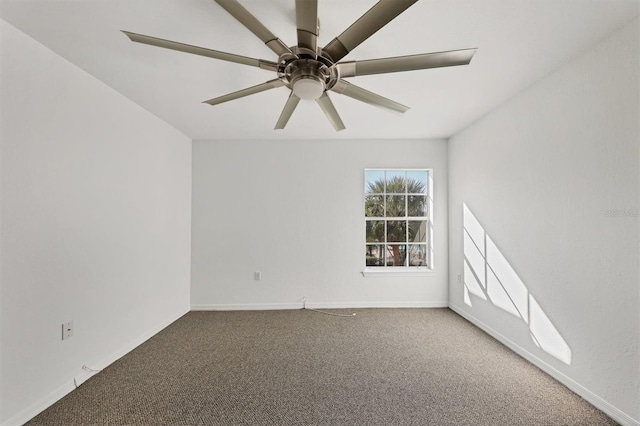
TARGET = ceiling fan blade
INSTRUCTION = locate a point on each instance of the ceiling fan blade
(406, 63)
(307, 22)
(271, 84)
(345, 88)
(251, 22)
(187, 48)
(375, 18)
(330, 111)
(289, 107)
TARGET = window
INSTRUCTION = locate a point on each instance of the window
(397, 208)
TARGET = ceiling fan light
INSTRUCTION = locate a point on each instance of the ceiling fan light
(308, 88)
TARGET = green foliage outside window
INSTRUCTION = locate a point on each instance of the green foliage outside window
(396, 211)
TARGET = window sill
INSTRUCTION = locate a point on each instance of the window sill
(367, 273)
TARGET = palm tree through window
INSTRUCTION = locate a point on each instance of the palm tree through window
(398, 206)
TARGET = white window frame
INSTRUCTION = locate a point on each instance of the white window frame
(404, 271)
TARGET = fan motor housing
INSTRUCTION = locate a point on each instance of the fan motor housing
(308, 78)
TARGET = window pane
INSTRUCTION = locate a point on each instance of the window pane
(396, 206)
(375, 231)
(396, 231)
(418, 255)
(417, 205)
(373, 181)
(418, 231)
(398, 226)
(396, 183)
(417, 182)
(374, 255)
(396, 254)
(374, 205)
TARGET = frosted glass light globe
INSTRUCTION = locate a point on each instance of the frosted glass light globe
(308, 88)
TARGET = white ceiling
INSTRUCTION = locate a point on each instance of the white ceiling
(518, 41)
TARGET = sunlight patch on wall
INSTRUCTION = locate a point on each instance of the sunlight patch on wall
(471, 283)
(489, 276)
(546, 335)
(508, 280)
(473, 229)
(465, 294)
(499, 296)
(474, 258)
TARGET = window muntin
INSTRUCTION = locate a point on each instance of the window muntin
(398, 226)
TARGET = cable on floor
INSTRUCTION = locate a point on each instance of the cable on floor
(304, 307)
(88, 370)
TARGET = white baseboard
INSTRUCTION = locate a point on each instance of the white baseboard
(595, 400)
(42, 404)
(315, 305)
(39, 406)
(357, 305)
(105, 362)
(246, 307)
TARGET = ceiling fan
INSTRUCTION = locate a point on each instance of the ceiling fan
(310, 71)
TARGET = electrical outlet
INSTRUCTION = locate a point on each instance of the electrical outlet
(459, 276)
(257, 275)
(67, 330)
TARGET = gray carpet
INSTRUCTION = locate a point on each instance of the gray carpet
(382, 367)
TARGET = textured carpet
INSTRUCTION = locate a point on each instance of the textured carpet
(381, 367)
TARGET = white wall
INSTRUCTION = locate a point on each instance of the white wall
(294, 211)
(542, 175)
(95, 225)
